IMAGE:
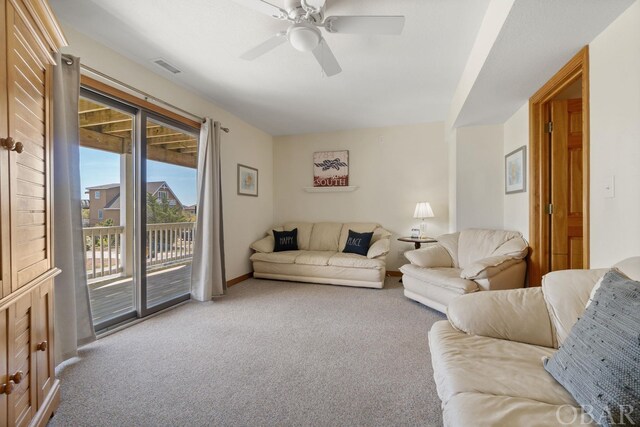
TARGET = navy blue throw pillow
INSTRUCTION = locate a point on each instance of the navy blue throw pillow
(358, 243)
(285, 240)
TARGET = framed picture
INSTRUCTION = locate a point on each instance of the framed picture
(331, 168)
(515, 171)
(247, 181)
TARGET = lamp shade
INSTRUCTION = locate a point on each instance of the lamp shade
(423, 210)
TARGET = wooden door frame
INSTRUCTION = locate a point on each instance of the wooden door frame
(539, 221)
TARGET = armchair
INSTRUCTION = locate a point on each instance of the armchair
(462, 263)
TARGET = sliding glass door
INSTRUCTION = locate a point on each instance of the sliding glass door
(169, 203)
(138, 173)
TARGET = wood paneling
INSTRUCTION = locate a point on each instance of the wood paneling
(29, 36)
(28, 92)
(22, 401)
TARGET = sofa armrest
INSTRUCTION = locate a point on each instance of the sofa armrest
(516, 315)
(487, 267)
(264, 245)
(431, 256)
(379, 248)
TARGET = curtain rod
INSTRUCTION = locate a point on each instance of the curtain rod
(146, 96)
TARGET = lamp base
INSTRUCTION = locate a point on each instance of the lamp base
(423, 230)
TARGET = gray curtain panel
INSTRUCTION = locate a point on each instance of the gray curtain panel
(207, 271)
(73, 323)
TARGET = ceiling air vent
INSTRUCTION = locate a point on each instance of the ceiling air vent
(164, 64)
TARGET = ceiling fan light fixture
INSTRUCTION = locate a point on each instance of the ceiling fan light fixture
(304, 37)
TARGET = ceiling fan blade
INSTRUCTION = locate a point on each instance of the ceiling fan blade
(265, 47)
(326, 59)
(264, 7)
(365, 24)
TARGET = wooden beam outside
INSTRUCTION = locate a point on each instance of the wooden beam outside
(114, 144)
(172, 157)
(171, 140)
(104, 142)
(96, 118)
(134, 100)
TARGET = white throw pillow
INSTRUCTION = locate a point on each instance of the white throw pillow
(264, 245)
(379, 248)
(430, 257)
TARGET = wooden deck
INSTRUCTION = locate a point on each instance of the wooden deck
(116, 297)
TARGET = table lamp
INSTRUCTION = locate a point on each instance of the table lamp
(423, 210)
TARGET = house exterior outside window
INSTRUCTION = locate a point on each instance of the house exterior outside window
(162, 195)
(100, 214)
(97, 195)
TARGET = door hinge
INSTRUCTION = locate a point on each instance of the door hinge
(549, 127)
(549, 209)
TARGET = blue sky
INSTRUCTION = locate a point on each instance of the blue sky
(101, 167)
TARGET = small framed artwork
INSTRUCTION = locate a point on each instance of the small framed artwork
(247, 181)
(515, 171)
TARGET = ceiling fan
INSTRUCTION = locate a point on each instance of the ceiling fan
(306, 18)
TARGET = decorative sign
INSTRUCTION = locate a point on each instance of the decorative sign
(331, 169)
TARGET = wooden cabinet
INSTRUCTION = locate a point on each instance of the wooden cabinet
(29, 392)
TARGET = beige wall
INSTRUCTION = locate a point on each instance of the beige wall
(614, 58)
(245, 218)
(393, 167)
(615, 139)
(479, 177)
(516, 206)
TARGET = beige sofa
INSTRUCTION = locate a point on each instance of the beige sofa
(462, 263)
(487, 358)
(320, 258)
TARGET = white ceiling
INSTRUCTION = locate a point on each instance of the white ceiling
(386, 80)
(536, 40)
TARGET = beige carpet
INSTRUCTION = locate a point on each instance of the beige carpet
(269, 353)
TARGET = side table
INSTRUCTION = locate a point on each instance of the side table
(417, 241)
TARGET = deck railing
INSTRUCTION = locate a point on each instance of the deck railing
(166, 243)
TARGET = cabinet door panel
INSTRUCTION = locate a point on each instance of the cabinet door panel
(28, 74)
(4, 375)
(43, 344)
(5, 246)
(20, 338)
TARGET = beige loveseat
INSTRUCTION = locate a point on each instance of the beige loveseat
(462, 263)
(320, 258)
(487, 358)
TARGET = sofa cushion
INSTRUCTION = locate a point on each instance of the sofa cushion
(470, 363)
(325, 236)
(566, 293)
(266, 244)
(285, 240)
(630, 267)
(342, 259)
(450, 243)
(304, 233)
(380, 233)
(288, 257)
(358, 227)
(378, 249)
(444, 277)
(480, 409)
(598, 362)
(429, 257)
(358, 243)
(314, 257)
(475, 244)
